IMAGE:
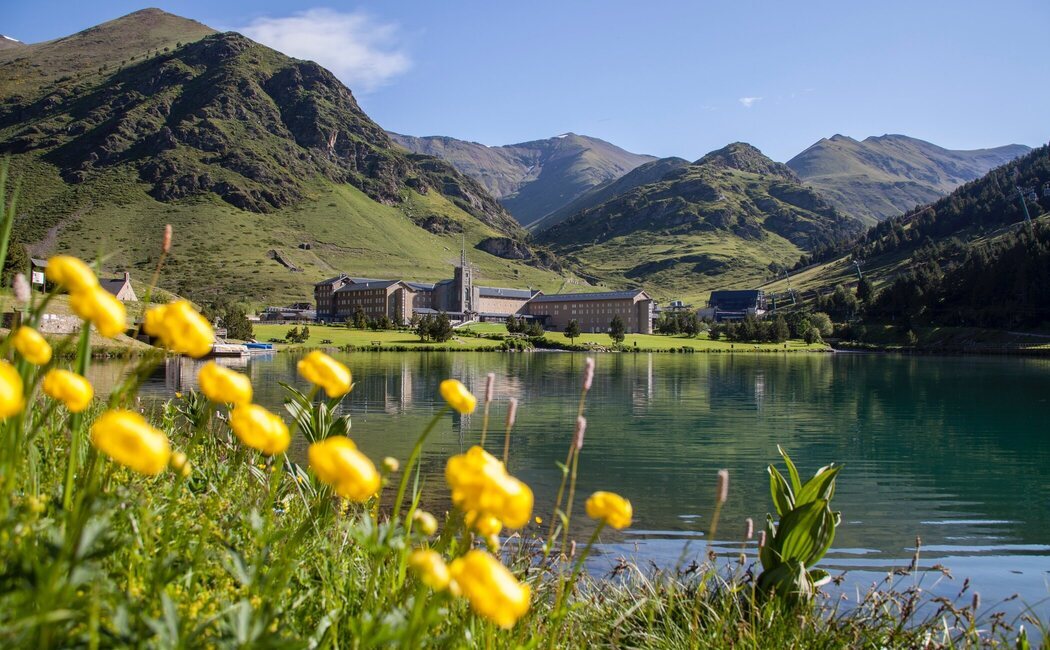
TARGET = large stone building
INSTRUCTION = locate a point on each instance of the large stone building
(594, 311)
(375, 298)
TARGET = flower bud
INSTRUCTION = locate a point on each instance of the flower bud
(390, 465)
(512, 411)
(490, 380)
(723, 485)
(588, 373)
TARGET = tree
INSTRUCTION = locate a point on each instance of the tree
(534, 328)
(237, 324)
(572, 330)
(384, 322)
(865, 291)
(292, 336)
(17, 262)
(441, 328)
(512, 325)
(822, 322)
(424, 327)
(617, 330)
(304, 334)
(811, 335)
(779, 330)
(360, 322)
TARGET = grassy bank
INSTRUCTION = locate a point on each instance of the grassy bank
(474, 337)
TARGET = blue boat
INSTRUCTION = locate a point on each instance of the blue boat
(252, 346)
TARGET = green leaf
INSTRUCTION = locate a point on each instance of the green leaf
(796, 539)
(796, 482)
(824, 534)
(783, 498)
(766, 553)
(821, 486)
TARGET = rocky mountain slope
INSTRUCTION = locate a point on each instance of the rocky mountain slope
(729, 219)
(218, 121)
(880, 177)
(532, 179)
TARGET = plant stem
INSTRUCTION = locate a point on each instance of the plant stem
(411, 461)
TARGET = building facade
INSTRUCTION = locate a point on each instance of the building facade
(375, 299)
(594, 311)
(324, 296)
(735, 305)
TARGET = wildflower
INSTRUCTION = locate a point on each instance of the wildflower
(99, 306)
(71, 273)
(749, 528)
(485, 525)
(490, 382)
(69, 388)
(31, 346)
(224, 385)
(458, 397)
(180, 328)
(723, 485)
(611, 508)
(425, 522)
(431, 569)
(391, 465)
(512, 411)
(337, 462)
(11, 399)
(588, 374)
(127, 438)
(21, 289)
(322, 370)
(539, 519)
(480, 484)
(493, 591)
(260, 429)
(181, 464)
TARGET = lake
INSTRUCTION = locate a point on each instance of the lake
(954, 450)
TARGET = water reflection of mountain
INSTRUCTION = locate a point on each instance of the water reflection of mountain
(953, 449)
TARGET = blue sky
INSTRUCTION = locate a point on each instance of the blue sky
(660, 77)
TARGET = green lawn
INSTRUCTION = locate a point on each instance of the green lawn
(342, 336)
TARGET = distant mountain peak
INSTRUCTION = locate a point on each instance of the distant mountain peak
(747, 158)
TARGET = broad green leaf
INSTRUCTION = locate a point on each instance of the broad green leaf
(766, 553)
(823, 534)
(821, 486)
(783, 498)
(796, 482)
(795, 538)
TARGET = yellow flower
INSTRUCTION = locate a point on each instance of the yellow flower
(493, 591)
(322, 370)
(12, 401)
(181, 464)
(127, 438)
(337, 462)
(260, 429)
(485, 525)
(100, 307)
(458, 397)
(430, 568)
(180, 328)
(71, 273)
(425, 522)
(31, 346)
(611, 508)
(480, 484)
(224, 385)
(391, 465)
(69, 388)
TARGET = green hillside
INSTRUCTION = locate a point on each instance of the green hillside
(532, 179)
(881, 177)
(270, 172)
(704, 226)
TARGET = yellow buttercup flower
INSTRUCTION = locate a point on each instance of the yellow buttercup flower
(493, 591)
(127, 438)
(425, 522)
(480, 484)
(458, 397)
(337, 462)
(31, 346)
(260, 429)
(181, 464)
(611, 508)
(322, 370)
(180, 328)
(12, 401)
(69, 388)
(71, 273)
(99, 306)
(485, 525)
(431, 569)
(224, 385)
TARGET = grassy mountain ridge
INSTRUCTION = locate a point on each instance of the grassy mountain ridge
(249, 139)
(884, 176)
(532, 179)
(701, 226)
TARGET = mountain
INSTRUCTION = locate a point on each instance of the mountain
(269, 170)
(881, 177)
(8, 43)
(649, 172)
(726, 220)
(532, 179)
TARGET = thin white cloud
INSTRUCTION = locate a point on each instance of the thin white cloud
(363, 52)
(748, 102)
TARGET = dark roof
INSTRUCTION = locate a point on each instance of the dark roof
(424, 310)
(607, 295)
(331, 280)
(374, 284)
(368, 280)
(112, 286)
(741, 299)
(38, 261)
(420, 286)
(500, 292)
